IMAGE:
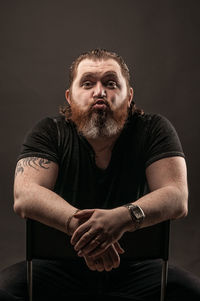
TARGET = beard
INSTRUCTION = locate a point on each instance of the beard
(94, 123)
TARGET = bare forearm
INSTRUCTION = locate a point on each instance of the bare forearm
(107, 226)
(42, 204)
(162, 204)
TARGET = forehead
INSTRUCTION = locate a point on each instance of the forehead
(98, 67)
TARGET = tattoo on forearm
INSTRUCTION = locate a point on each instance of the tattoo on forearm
(33, 162)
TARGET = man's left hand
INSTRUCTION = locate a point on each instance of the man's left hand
(107, 261)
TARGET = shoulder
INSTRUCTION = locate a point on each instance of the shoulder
(51, 120)
(47, 123)
(150, 122)
(148, 118)
(61, 122)
(46, 129)
(45, 137)
(51, 123)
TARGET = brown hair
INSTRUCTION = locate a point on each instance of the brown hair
(98, 54)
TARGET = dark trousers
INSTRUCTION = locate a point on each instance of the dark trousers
(58, 280)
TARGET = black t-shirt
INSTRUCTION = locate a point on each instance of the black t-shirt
(144, 140)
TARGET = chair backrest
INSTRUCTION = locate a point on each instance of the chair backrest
(44, 242)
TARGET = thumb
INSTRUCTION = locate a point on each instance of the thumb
(85, 213)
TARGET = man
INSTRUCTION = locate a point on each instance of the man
(100, 169)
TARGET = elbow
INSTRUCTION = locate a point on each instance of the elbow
(182, 210)
(18, 209)
(18, 206)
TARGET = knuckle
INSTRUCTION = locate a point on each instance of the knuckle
(86, 237)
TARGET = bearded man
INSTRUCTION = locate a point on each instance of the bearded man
(83, 171)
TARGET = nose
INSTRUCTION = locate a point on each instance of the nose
(99, 90)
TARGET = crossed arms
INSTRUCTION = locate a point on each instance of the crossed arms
(34, 198)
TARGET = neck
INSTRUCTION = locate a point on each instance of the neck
(103, 150)
(103, 144)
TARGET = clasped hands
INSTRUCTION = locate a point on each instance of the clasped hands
(95, 237)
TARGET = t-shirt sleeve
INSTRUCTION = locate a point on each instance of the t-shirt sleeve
(41, 141)
(162, 140)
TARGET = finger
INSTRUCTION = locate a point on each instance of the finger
(98, 251)
(113, 254)
(119, 249)
(86, 243)
(86, 213)
(92, 245)
(99, 264)
(79, 232)
(90, 263)
(108, 262)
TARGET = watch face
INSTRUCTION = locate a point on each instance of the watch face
(137, 212)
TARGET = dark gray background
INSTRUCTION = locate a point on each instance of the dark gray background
(158, 39)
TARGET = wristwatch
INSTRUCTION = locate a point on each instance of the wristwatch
(136, 213)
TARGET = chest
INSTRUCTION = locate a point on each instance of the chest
(100, 180)
(103, 159)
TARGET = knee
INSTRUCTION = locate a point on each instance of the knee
(182, 284)
(6, 296)
(13, 283)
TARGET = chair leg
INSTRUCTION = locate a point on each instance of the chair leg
(164, 280)
(30, 279)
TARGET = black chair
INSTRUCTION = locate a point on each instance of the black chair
(43, 242)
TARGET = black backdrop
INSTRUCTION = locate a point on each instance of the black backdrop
(158, 39)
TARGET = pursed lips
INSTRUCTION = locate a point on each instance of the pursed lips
(100, 103)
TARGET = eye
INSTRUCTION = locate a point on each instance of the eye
(111, 84)
(87, 84)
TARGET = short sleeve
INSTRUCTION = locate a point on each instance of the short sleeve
(161, 141)
(41, 141)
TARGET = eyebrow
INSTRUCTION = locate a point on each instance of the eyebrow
(96, 74)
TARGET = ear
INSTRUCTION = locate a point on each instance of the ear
(130, 96)
(67, 96)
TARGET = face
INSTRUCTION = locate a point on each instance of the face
(99, 98)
